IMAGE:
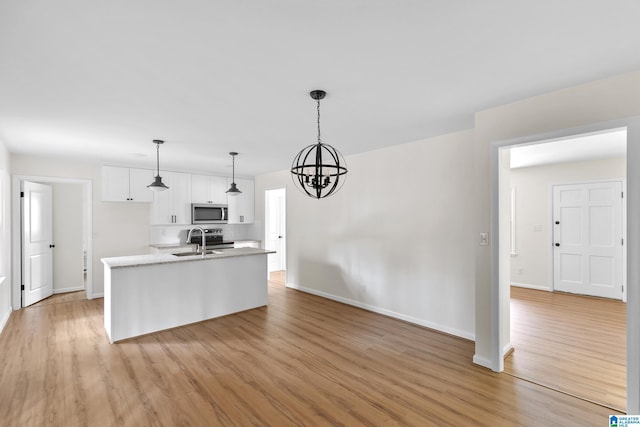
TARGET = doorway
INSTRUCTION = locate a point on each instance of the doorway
(275, 228)
(71, 237)
(501, 257)
(568, 233)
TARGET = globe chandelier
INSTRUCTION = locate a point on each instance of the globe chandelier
(319, 170)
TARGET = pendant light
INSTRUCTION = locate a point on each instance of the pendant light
(319, 169)
(157, 185)
(233, 190)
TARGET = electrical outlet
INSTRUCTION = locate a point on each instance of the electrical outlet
(484, 239)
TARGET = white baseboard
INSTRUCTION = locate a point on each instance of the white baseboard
(507, 349)
(385, 312)
(482, 361)
(5, 319)
(65, 290)
(486, 363)
(530, 286)
(96, 295)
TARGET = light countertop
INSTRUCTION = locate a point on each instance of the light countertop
(142, 260)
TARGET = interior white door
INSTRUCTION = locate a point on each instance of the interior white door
(275, 238)
(587, 234)
(37, 242)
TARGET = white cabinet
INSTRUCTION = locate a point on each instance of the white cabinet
(126, 184)
(172, 206)
(208, 189)
(241, 206)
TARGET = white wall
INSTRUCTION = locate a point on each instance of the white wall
(397, 238)
(68, 237)
(530, 267)
(118, 228)
(5, 237)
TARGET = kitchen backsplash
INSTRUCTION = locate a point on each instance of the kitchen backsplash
(178, 233)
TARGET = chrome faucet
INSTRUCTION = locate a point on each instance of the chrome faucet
(203, 242)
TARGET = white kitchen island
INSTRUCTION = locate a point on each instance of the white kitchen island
(149, 293)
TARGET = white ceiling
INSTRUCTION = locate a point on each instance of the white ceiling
(602, 145)
(101, 79)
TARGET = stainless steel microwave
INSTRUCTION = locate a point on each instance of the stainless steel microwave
(205, 213)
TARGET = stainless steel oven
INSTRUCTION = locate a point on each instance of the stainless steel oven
(213, 238)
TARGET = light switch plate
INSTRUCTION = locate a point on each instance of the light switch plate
(484, 239)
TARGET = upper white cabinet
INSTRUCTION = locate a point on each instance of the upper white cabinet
(126, 184)
(172, 206)
(241, 207)
(208, 189)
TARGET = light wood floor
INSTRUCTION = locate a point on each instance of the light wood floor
(61, 298)
(572, 343)
(303, 360)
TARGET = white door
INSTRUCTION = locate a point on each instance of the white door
(587, 239)
(275, 238)
(37, 244)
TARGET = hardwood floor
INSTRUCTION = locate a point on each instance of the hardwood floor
(572, 343)
(303, 360)
(61, 298)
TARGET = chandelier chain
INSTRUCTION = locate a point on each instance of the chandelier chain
(319, 141)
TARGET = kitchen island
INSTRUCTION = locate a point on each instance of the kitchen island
(149, 293)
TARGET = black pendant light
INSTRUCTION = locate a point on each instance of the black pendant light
(233, 190)
(157, 184)
(319, 169)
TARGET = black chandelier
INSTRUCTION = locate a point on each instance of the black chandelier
(319, 169)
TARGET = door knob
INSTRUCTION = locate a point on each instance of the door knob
(279, 237)
(557, 244)
(52, 246)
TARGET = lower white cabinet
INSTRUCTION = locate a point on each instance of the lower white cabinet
(172, 206)
(241, 207)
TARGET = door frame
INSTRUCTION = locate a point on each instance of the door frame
(623, 181)
(500, 258)
(266, 222)
(16, 214)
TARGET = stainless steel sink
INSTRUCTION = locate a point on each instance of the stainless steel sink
(197, 253)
